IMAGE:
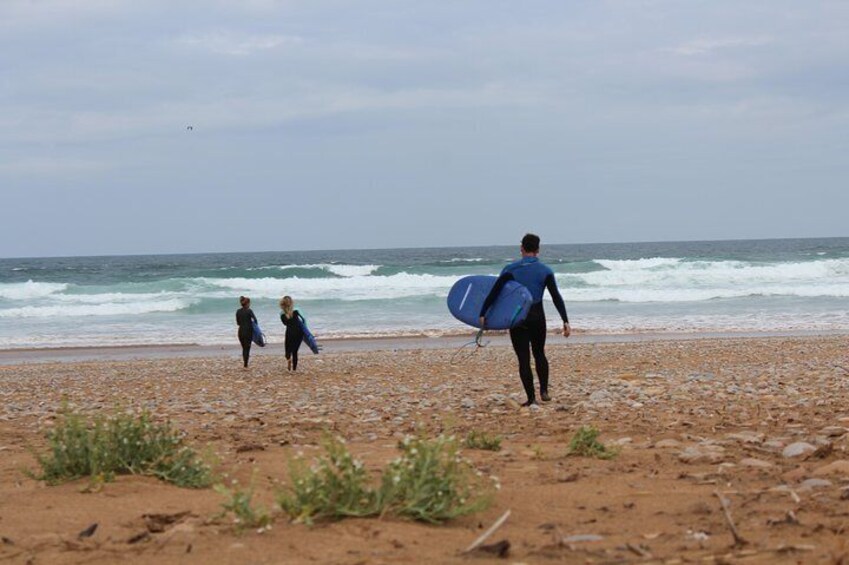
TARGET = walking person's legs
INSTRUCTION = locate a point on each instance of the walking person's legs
(295, 349)
(246, 349)
(288, 356)
(537, 338)
(520, 338)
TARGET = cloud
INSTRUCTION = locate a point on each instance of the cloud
(274, 107)
(17, 15)
(51, 167)
(703, 46)
(236, 43)
(99, 93)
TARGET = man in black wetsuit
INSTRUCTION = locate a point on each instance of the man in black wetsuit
(536, 277)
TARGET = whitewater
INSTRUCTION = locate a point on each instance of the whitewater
(745, 286)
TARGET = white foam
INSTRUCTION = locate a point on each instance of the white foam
(674, 280)
(399, 285)
(699, 294)
(338, 269)
(116, 297)
(638, 264)
(29, 290)
(103, 309)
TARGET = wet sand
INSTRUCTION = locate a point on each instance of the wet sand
(191, 350)
(760, 422)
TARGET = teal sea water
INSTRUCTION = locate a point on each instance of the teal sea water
(751, 286)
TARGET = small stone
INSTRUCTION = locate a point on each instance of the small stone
(667, 444)
(811, 484)
(774, 444)
(582, 538)
(840, 467)
(834, 431)
(701, 377)
(698, 536)
(467, 403)
(797, 449)
(795, 475)
(756, 463)
(705, 454)
(746, 437)
(600, 395)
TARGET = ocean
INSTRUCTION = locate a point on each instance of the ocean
(792, 285)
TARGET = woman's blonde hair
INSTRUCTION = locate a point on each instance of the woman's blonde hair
(287, 305)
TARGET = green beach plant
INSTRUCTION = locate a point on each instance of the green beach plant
(482, 440)
(238, 501)
(336, 486)
(585, 443)
(103, 447)
(430, 482)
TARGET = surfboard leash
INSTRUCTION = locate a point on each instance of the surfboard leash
(463, 354)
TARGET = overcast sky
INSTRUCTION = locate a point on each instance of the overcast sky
(355, 124)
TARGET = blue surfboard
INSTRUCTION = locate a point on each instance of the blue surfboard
(309, 339)
(509, 309)
(259, 337)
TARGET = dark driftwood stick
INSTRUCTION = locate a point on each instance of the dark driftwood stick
(738, 539)
(498, 523)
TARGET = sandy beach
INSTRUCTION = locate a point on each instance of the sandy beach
(759, 423)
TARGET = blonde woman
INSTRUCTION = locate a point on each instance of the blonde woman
(292, 319)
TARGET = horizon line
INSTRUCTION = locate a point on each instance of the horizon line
(327, 250)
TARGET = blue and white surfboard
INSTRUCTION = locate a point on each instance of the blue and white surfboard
(510, 308)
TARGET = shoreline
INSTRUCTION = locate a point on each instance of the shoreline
(22, 356)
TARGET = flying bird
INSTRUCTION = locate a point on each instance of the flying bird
(190, 128)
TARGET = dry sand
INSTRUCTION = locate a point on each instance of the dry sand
(696, 421)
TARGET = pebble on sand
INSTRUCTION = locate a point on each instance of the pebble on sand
(798, 449)
(840, 467)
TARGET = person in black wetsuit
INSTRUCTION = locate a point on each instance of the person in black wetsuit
(245, 320)
(536, 277)
(292, 319)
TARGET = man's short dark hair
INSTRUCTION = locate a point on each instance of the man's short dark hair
(530, 243)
